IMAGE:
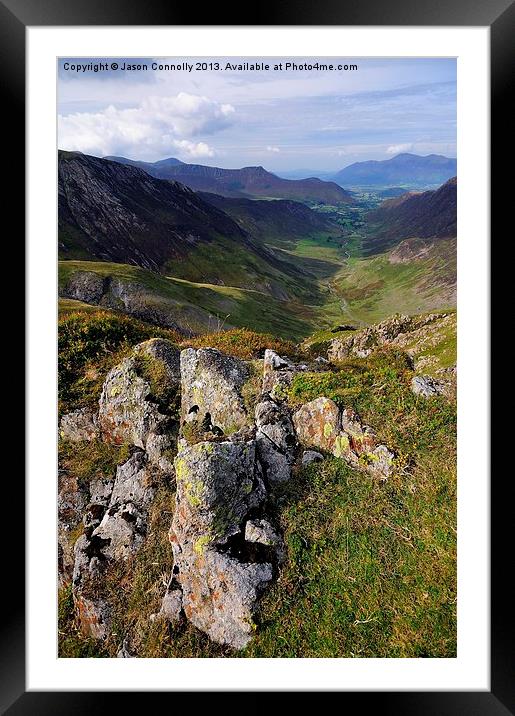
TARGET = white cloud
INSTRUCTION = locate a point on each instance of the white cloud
(194, 149)
(157, 125)
(275, 150)
(399, 148)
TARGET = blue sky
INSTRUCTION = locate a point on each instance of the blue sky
(283, 120)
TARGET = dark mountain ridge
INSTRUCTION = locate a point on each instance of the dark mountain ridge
(113, 212)
(426, 215)
(281, 219)
(246, 182)
(119, 213)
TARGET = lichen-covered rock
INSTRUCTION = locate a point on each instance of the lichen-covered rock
(317, 423)
(112, 532)
(123, 527)
(94, 616)
(309, 456)
(361, 437)
(220, 594)
(71, 502)
(218, 485)
(426, 386)
(171, 606)
(278, 374)
(389, 331)
(380, 461)
(261, 531)
(275, 440)
(79, 425)
(93, 612)
(132, 404)
(85, 286)
(167, 356)
(320, 423)
(212, 385)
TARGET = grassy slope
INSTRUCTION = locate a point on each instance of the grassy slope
(244, 308)
(368, 290)
(371, 568)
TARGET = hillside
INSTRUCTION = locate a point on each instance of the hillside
(185, 306)
(428, 215)
(253, 500)
(280, 222)
(408, 170)
(246, 182)
(111, 212)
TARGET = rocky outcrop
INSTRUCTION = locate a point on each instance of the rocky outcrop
(135, 407)
(388, 332)
(136, 399)
(212, 390)
(427, 386)
(317, 423)
(79, 425)
(275, 440)
(113, 532)
(123, 527)
(226, 545)
(71, 505)
(129, 296)
(320, 423)
(225, 549)
(218, 486)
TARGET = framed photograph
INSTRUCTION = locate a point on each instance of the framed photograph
(258, 259)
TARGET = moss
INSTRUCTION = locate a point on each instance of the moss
(328, 430)
(201, 544)
(341, 446)
(251, 390)
(165, 391)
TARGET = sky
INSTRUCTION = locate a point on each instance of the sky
(282, 119)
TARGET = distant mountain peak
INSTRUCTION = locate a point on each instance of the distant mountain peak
(411, 170)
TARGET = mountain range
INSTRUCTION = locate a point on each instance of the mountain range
(249, 182)
(156, 249)
(404, 169)
(119, 213)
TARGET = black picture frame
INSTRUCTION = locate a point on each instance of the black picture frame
(499, 15)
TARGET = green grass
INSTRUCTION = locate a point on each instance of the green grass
(90, 344)
(440, 351)
(202, 308)
(373, 288)
(244, 269)
(371, 566)
(91, 460)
